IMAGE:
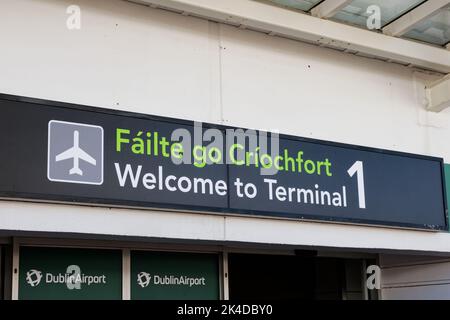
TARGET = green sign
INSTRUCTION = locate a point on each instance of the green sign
(175, 276)
(69, 274)
(105, 157)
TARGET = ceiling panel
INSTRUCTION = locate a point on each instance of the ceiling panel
(304, 5)
(356, 11)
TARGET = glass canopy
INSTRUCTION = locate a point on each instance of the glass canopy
(435, 29)
(304, 5)
(356, 12)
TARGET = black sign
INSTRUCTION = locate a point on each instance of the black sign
(63, 152)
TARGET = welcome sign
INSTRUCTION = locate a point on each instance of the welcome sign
(170, 275)
(62, 152)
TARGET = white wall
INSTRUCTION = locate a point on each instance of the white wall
(132, 57)
(135, 58)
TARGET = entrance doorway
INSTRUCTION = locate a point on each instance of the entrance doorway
(2, 282)
(296, 277)
(5, 272)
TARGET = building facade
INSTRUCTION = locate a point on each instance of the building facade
(153, 59)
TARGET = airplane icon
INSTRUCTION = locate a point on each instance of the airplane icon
(76, 153)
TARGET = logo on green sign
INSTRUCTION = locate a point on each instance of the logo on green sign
(143, 279)
(34, 277)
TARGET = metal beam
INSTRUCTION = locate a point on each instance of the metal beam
(438, 95)
(269, 18)
(406, 22)
(329, 8)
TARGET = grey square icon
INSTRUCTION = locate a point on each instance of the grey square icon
(75, 153)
